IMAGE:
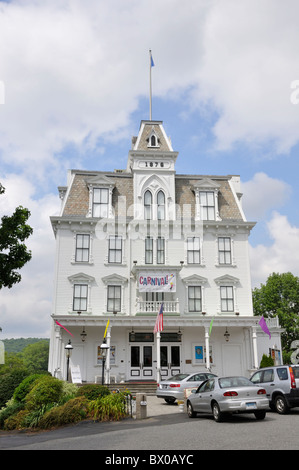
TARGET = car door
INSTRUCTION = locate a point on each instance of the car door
(204, 396)
(265, 378)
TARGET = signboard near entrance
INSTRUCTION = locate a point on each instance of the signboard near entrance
(157, 282)
(76, 374)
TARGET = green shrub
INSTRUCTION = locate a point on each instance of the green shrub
(93, 391)
(69, 391)
(12, 408)
(16, 421)
(73, 411)
(267, 361)
(8, 384)
(109, 408)
(25, 386)
(46, 390)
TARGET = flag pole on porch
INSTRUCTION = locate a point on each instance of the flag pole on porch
(157, 329)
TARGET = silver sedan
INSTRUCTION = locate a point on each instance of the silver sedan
(220, 396)
(174, 388)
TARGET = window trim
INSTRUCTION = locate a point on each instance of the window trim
(83, 249)
(116, 308)
(81, 298)
(115, 250)
(193, 251)
(195, 299)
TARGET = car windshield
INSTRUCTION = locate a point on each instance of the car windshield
(177, 378)
(210, 376)
(227, 382)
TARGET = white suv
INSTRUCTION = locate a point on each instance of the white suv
(281, 384)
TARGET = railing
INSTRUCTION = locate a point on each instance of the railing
(145, 306)
(272, 322)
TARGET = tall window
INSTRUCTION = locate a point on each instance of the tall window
(160, 250)
(80, 297)
(207, 204)
(82, 248)
(194, 299)
(148, 203)
(148, 250)
(114, 299)
(160, 205)
(193, 250)
(100, 202)
(227, 298)
(115, 249)
(224, 250)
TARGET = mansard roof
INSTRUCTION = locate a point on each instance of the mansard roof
(77, 195)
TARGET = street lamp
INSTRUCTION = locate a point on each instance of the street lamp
(68, 351)
(104, 351)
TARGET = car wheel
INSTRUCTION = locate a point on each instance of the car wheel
(170, 401)
(218, 416)
(281, 405)
(191, 413)
(260, 414)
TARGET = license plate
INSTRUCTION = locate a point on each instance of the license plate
(164, 386)
(251, 405)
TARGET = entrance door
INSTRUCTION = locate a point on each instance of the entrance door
(170, 360)
(141, 362)
(232, 359)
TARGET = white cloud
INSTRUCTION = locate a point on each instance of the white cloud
(25, 308)
(74, 71)
(281, 256)
(263, 193)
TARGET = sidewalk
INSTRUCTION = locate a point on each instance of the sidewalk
(157, 406)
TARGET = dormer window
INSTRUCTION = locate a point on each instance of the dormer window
(207, 205)
(100, 197)
(206, 200)
(100, 202)
(153, 140)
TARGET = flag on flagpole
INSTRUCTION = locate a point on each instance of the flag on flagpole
(264, 327)
(152, 61)
(211, 325)
(159, 320)
(59, 324)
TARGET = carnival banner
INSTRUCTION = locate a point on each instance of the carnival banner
(157, 282)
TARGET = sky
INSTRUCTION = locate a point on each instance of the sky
(74, 86)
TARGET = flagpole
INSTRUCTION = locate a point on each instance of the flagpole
(150, 67)
(158, 357)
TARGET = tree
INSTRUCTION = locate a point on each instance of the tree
(280, 297)
(36, 356)
(13, 252)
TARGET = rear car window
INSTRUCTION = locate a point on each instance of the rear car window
(282, 373)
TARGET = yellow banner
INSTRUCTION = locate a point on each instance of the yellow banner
(106, 328)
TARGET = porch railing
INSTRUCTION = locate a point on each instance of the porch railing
(145, 306)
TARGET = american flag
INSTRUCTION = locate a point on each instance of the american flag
(159, 320)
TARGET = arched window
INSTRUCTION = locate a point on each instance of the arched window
(153, 141)
(148, 202)
(161, 205)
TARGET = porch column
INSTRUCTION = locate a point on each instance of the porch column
(107, 363)
(207, 342)
(254, 345)
(158, 357)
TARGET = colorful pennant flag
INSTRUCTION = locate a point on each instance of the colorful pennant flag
(59, 324)
(152, 61)
(264, 327)
(106, 328)
(159, 320)
(211, 326)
